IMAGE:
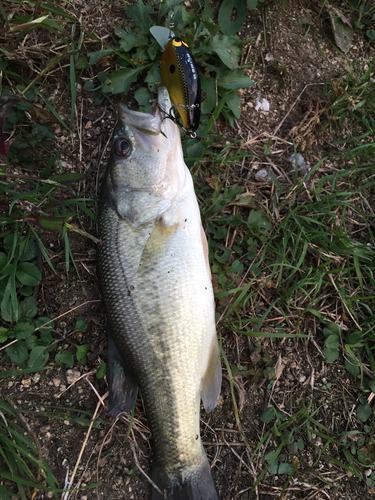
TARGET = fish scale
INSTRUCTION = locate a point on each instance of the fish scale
(157, 291)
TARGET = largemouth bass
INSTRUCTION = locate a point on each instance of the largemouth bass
(156, 286)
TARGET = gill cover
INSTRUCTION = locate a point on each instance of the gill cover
(180, 75)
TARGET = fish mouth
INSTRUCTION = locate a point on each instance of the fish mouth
(149, 123)
(163, 105)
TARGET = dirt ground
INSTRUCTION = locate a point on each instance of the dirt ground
(289, 73)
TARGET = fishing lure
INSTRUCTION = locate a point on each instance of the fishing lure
(179, 74)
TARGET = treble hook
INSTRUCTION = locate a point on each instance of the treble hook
(173, 117)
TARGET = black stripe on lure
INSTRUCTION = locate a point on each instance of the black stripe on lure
(180, 76)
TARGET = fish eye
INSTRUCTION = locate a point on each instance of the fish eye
(122, 147)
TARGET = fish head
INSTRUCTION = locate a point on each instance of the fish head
(146, 170)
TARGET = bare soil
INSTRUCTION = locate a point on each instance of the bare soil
(290, 68)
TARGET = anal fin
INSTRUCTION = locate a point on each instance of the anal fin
(122, 389)
(211, 381)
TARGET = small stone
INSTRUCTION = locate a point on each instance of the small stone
(88, 125)
(10, 384)
(72, 376)
(301, 164)
(262, 176)
(262, 105)
(301, 378)
(50, 494)
(26, 382)
(62, 387)
(66, 422)
(56, 382)
(36, 377)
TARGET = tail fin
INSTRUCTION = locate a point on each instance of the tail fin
(198, 486)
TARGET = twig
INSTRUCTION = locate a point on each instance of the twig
(73, 383)
(96, 392)
(143, 472)
(65, 496)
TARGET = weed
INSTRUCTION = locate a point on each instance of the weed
(23, 465)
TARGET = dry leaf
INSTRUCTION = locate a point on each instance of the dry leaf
(279, 367)
(244, 200)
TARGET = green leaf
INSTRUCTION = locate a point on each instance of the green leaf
(96, 56)
(222, 280)
(225, 256)
(300, 444)
(64, 357)
(102, 370)
(82, 353)
(26, 291)
(272, 469)
(128, 39)
(3, 262)
(3, 334)
(236, 267)
(38, 357)
(234, 80)
(18, 353)
(284, 469)
(139, 13)
(225, 47)
(267, 416)
(271, 456)
(81, 324)
(352, 368)
(364, 412)
(120, 80)
(371, 34)
(64, 178)
(31, 342)
(251, 4)
(259, 222)
(333, 328)
(82, 63)
(228, 26)
(331, 355)
(332, 342)
(28, 308)
(208, 86)
(142, 96)
(29, 252)
(41, 321)
(234, 103)
(28, 274)
(23, 330)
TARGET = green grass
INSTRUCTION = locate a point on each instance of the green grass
(23, 471)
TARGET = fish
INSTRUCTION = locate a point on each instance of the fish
(179, 73)
(155, 282)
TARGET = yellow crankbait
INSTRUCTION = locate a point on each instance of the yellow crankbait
(180, 75)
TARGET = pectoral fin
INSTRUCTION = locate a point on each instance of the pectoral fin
(211, 381)
(122, 389)
(156, 247)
